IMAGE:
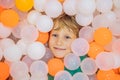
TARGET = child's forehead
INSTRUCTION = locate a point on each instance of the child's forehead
(63, 31)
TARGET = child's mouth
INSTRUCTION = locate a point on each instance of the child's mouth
(57, 48)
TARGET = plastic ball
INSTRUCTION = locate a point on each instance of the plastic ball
(106, 75)
(86, 7)
(116, 3)
(80, 76)
(4, 71)
(22, 77)
(12, 53)
(17, 30)
(100, 21)
(116, 46)
(48, 55)
(27, 30)
(83, 20)
(32, 16)
(69, 7)
(94, 50)
(86, 33)
(39, 68)
(27, 60)
(36, 50)
(55, 65)
(39, 5)
(104, 5)
(53, 8)
(24, 5)
(43, 37)
(44, 23)
(22, 15)
(18, 69)
(115, 29)
(116, 57)
(1, 9)
(1, 53)
(61, 1)
(83, 46)
(63, 75)
(103, 36)
(40, 77)
(4, 31)
(92, 77)
(7, 3)
(23, 46)
(6, 42)
(72, 61)
(88, 66)
(105, 61)
(9, 18)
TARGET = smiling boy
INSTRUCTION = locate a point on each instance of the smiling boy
(65, 30)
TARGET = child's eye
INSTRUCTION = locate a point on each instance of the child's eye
(67, 37)
(54, 35)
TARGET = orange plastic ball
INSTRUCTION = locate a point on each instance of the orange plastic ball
(103, 36)
(94, 50)
(43, 37)
(106, 75)
(117, 76)
(9, 18)
(61, 1)
(4, 71)
(1, 9)
(55, 65)
(24, 5)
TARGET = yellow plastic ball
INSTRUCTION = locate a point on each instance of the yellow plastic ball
(24, 5)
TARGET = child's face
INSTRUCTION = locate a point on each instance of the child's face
(60, 42)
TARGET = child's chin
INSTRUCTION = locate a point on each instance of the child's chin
(59, 56)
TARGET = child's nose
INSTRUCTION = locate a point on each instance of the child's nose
(59, 41)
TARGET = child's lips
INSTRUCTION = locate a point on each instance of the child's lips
(57, 48)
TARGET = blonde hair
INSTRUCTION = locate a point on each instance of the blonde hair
(66, 22)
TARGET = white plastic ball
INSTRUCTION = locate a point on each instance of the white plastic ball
(83, 46)
(104, 5)
(100, 21)
(1, 54)
(6, 42)
(32, 16)
(36, 50)
(12, 53)
(69, 7)
(18, 69)
(23, 46)
(72, 61)
(80, 76)
(116, 57)
(86, 7)
(53, 8)
(38, 68)
(116, 3)
(88, 66)
(105, 61)
(39, 5)
(86, 33)
(4, 31)
(40, 77)
(83, 20)
(63, 75)
(26, 59)
(44, 23)
(29, 33)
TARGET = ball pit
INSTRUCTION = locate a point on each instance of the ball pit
(24, 34)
